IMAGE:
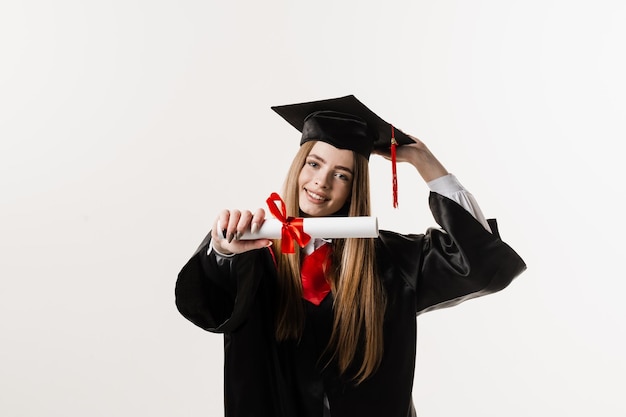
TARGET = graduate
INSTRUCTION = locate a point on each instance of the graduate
(330, 329)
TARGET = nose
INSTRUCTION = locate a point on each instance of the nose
(322, 180)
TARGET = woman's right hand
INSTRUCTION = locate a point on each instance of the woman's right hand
(231, 224)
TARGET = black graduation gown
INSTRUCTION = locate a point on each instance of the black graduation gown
(440, 268)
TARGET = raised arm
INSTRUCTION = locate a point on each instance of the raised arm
(437, 177)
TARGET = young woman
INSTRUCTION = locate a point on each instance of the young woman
(330, 330)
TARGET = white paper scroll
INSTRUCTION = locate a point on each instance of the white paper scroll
(322, 227)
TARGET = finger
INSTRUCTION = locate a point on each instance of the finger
(231, 228)
(257, 220)
(243, 224)
(221, 224)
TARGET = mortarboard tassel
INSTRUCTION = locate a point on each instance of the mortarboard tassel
(394, 173)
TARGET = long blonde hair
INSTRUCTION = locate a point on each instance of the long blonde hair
(359, 305)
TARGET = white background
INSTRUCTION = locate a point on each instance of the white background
(126, 125)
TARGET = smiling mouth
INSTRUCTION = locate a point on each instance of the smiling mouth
(315, 196)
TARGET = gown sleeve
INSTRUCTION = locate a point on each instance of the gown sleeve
(216, 293)
(462, 260)
(449, 186)
(448, 265)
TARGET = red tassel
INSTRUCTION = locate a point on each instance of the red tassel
(394, 173)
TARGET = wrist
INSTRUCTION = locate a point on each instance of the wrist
(427, 165)
(219, 250)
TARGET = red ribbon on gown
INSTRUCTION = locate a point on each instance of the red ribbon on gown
(292, 229)
(314, 284)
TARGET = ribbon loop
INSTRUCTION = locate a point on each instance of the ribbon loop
(293, 228)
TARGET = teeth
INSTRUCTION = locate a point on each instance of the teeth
(316, 196)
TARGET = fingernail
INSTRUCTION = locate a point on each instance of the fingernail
(230, 237)
(254, 228)
(269, 244)
(238, 235)
(224, 233)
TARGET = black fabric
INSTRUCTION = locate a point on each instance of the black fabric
(343, 131)
(422, 272)
(344, 122)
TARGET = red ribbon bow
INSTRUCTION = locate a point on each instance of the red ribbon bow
(292, 230)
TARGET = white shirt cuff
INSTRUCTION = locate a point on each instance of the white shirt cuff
(446, 185)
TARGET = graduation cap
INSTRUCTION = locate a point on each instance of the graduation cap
(345, 123)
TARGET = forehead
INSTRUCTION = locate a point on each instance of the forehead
(333, 155)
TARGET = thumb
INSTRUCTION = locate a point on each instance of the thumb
(383, 152)
(260, 243)
(240, 246)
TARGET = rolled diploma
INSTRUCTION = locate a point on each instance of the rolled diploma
(322, 227)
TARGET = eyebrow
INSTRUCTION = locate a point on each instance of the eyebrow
(341, 167)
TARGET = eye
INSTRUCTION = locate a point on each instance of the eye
(342, 176)
(312, 164)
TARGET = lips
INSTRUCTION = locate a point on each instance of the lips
(315, 196)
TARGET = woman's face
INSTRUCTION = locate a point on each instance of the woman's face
(325, 181)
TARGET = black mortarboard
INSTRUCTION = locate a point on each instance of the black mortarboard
(345, 123)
